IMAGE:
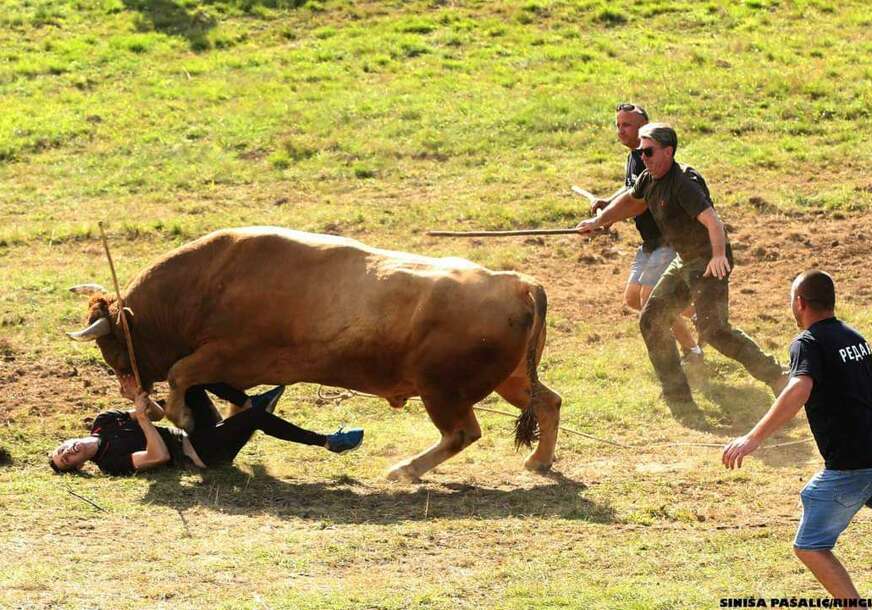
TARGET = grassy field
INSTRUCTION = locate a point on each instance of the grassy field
(379, 120)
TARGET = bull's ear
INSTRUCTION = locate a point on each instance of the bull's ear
(88, 289)
(100, 328)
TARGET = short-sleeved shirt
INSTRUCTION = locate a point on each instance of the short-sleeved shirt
(839, 361)
(645, 224)
(121, 436)
(675, 200)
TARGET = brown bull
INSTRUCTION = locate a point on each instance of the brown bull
(265, 305)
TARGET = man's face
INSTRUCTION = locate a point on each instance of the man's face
(70, 455)
(657, 159)
(627, 124)
(795, 305)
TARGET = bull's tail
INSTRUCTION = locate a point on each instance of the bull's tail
(527, 426)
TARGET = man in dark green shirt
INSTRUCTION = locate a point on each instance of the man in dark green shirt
(678, 198)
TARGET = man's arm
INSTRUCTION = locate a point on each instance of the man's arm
(130, 390)
(625, 206)
(600, 204)
(788, 403)
(156, 451)
(718, 266)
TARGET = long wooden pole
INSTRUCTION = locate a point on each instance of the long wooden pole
(503, 233)
(122, 314)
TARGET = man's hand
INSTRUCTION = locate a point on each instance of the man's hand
(718, 267)
(586, 227)
(598, 204)
(141, 404)
(737, 449)
(127, 386)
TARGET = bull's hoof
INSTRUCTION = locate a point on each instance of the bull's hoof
(534, 465)
(403, 472)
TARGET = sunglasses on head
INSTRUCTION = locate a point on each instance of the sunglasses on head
(625, 107)
(648, 151)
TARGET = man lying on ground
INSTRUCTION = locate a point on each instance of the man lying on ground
(124, 442)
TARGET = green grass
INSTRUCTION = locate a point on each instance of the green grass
(381, 120)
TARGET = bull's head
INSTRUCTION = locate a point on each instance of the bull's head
(103, 328)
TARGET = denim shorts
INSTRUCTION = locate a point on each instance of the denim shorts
(647, 267)
(829, 502)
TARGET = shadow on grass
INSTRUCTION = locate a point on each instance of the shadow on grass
(169, 17)
(742, 408)
(347, 500)
(175, 19)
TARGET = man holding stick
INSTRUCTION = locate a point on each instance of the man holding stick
(678, 198)
(831, 374)
(654, 255)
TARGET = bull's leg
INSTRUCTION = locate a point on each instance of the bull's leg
(546, 406)
(196, 369)
(459, 430)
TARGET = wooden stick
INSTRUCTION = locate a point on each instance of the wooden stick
(502, 233)
(84, 499)
(586, 194)
(122, 314)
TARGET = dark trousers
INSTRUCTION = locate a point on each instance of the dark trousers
(681, 284)
(220, 442)
(204, 412)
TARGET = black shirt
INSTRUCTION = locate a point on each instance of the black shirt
(675, 200)
(645, 224)
(839, 409)
(121, 436)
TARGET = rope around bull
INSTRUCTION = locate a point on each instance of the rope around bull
(346, 394)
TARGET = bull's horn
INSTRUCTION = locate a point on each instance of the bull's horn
(98, 329)
(88, 289)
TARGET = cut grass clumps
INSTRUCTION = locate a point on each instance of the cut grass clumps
(294, 150)
(416, 26)
(363, 172)
(610, 17)
(136, 43)
(410, 47)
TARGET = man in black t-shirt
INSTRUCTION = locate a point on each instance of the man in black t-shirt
(654, 255)
(678, 198)
(831, 374)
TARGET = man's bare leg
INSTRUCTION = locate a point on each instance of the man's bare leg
(633, 296)
(829, 571)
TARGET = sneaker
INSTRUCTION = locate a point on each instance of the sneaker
(345, 440)
(268, 399)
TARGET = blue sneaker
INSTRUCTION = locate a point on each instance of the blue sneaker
(268, 399)
(345, 440)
